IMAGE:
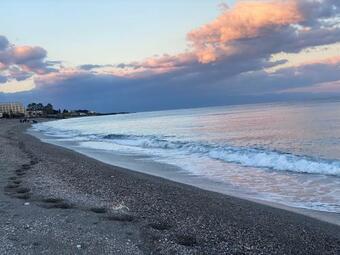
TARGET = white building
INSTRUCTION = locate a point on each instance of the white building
(12, 108)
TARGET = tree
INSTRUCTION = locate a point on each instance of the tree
(32, 107)
(40, 107)
(48, 109)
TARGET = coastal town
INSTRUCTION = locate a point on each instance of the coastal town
(11, 110)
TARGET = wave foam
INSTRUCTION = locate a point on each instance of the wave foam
(249, 157)
(244, 156)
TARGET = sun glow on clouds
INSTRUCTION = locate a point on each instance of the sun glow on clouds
(14, 86)
(310, 55)
(62, 74)
(218, 39)
(247, 19)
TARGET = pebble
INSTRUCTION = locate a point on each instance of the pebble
(78, 246)
(27, 203)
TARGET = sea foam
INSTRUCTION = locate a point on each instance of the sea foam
(248, 157)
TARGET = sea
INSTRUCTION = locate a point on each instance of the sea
(285, 153)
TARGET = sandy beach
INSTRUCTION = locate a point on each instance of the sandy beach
(56, 201)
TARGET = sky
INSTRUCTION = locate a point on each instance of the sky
(116, 31)
(129, 55)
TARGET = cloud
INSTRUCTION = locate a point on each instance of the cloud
(334, 60)
(24, 54)
(3, 42)
(63, 74)
(248, 19)
(266, 27)
(18, 74)
(89, 66)
(251, 30)
(21, 62)
(3, 79)
(30, 59)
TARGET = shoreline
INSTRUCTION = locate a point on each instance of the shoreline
(176, 174)
(155, 215)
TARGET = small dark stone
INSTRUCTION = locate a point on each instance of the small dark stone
(23, 190)
(186, 240)
(98, 210)
(34, 162)
(36, 243)
(25, 166)
(23, 196)
(12, 186)
(120, 217)
(61, 205)
(52, 200)
(160, 225)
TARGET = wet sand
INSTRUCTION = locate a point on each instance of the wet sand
(57, 201)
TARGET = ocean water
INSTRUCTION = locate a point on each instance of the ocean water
(283, 153)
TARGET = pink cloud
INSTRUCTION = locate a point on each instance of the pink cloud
(22, 54)
(162, 64)
(257, 28)
(326, 61)
(59, 76)
(247, 19)
(22, 62)
(212, 41)
(2, 66)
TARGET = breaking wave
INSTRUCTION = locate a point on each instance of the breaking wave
(248, 157)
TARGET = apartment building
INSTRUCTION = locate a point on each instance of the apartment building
(12, 108)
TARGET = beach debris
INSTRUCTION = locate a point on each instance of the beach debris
(120, 212)
(27, 203)
(78, 246)
(120, 207)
